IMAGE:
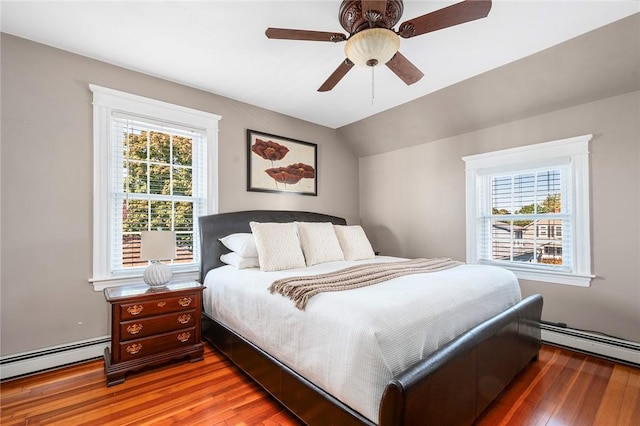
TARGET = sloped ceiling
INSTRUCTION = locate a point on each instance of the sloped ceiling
(596, 65)
(220, 46)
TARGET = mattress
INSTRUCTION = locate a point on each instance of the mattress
(351, 343)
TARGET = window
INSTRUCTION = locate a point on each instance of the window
(154, 168)
(528, 211)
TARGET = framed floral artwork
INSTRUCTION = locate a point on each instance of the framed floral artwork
(279, 164)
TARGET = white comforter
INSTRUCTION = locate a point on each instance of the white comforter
(351, 343)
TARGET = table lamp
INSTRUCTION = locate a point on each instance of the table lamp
(156, 246)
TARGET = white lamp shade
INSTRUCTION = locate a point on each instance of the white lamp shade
(373, 46)
(158, 245)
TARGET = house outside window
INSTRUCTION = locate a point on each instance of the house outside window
(155, 167)
(528, 211)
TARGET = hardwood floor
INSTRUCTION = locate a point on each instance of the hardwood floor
(567, 388)
(562, 388)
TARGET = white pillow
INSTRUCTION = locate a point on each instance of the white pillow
(278, 246)
(319, 242)
(234, 259)
(242, 243)
(354, 242)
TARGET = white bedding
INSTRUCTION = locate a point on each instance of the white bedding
(351, 343)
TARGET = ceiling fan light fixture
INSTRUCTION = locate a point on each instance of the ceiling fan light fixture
(372, 47)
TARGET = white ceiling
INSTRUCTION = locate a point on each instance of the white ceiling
(220, 46)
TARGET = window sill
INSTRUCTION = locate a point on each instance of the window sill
(555, 277)
(100, 284)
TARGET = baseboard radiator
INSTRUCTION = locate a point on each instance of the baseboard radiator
(592, 343)
(14, 366)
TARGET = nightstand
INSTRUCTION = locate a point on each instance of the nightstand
(152, 326)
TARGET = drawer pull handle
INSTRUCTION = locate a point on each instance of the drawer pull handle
(134, 349)
(184, 302)
(161, 304)
(135, 309)
(184, 319)
(183, 337)
(134, 328)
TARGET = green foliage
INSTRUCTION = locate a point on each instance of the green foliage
(551, 204)
(159, 164)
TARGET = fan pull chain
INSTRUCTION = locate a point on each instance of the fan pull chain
(372, 84)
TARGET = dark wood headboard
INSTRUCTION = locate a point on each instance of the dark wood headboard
(216, 226)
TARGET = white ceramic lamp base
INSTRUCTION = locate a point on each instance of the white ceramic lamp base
(157, 274)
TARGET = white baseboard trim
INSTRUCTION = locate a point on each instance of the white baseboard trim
(584, 341)
(57, 356)
(52, 357)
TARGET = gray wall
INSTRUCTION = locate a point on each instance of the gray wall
(411, 200)
(46, 238)
(412, 204)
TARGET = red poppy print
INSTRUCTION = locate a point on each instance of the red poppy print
(283, 175)
(303, 170)
(269, 150)
(278, 164)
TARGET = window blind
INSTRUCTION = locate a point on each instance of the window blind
(158, 181)
(526, 217)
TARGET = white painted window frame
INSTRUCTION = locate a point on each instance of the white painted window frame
(573, 150)
(105, 101)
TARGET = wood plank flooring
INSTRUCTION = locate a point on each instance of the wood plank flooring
(562, 388)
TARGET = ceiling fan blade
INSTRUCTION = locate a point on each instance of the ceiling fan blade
(404, 69)
(337, 75)
(459, 13)
(288, 34)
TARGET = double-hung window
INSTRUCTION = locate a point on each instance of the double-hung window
(528, 210)
(154, 169)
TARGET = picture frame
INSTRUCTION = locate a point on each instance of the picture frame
(281, 165)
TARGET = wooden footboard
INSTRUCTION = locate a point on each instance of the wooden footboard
(456, 383)
(451, 387)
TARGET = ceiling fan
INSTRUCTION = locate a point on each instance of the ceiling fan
(372, 39)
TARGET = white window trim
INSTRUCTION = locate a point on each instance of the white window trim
(105, 101)
(575, 150)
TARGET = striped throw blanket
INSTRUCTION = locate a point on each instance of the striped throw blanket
(300, 289)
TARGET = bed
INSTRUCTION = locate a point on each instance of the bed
(450, 386)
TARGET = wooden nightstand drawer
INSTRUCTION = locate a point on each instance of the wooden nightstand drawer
(157, 307)
(151, 345)
(144, 327)
(152, 326)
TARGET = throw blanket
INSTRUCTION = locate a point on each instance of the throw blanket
(300, 289)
